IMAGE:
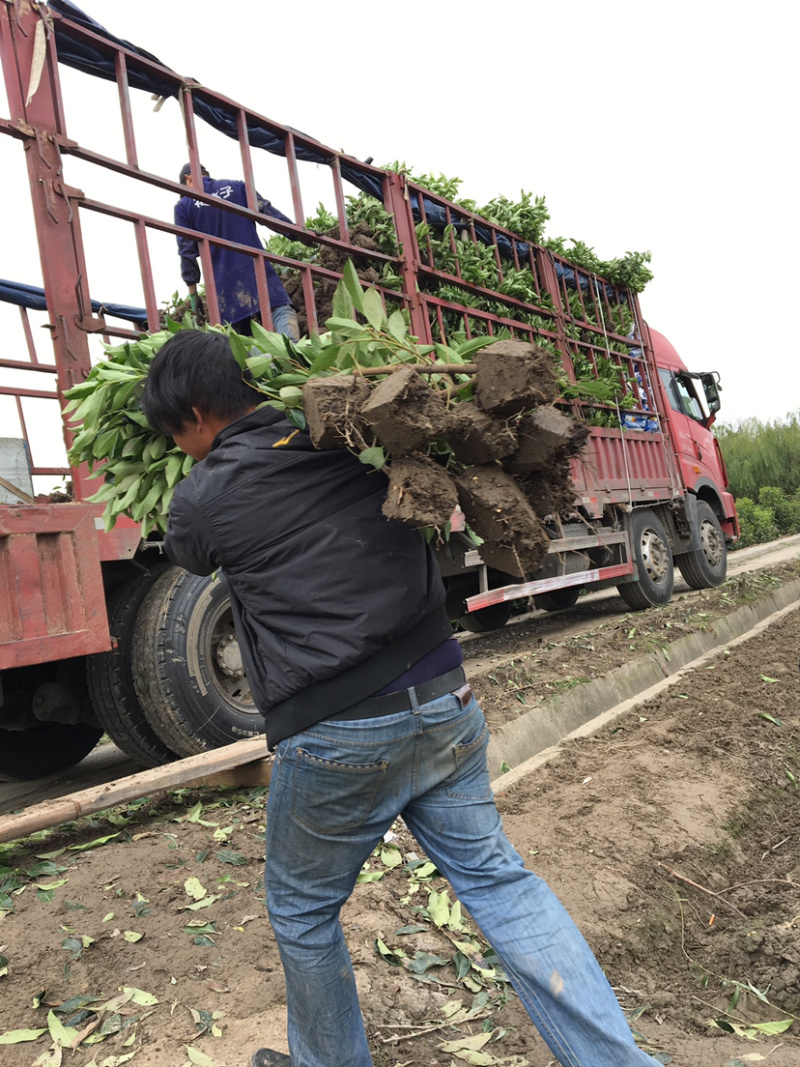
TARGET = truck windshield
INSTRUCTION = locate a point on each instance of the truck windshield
(683, 397)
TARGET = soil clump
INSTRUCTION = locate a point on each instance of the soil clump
(404, 412)
(332, 259)
(514, 540)
(476, 437)
(514, 376)
(332, 406)
(420, 492)
(546, 437)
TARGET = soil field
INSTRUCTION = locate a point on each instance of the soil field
(671, 836)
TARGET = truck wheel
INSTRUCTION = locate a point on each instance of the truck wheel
(484, 620)
(558, 599)
(45, 749)
(653, 559)
(187, 667)
(708, 564)
(110, 678)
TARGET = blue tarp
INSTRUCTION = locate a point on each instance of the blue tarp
(85, 57)
(79, 54)
(31, 296)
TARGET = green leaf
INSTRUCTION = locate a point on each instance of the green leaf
(769, 718)
(766, 678)
(271, 343)
(342, 324)
(373, 457)
(63, 1036)
(94, 844)
(366, 876)
(343, 305)
(777, 1027)
(324, 361)
(390, 856)
(439, 907)
(463, 1044)
(199, 1058)
(204, 903)
(45, 867)
(352, 284)
(373, 309)
(17, 1037)
(198, 926)
(395, 958)
(259, 365)
(476, 343)
(423, 961)
(291, 396)
(225, 855)
(397, 326)
(194, 888)
(240, 347)
(132, 936)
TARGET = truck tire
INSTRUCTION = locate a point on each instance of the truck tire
(110, 678)
(558, 599)
(484, 620)
(708, 564)
(45, 749)
(187, 668)
(652, 557)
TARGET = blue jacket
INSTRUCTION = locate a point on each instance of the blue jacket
(234, 273)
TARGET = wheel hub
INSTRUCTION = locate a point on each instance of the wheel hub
(710, 543)
(655, 556)
(229, 657)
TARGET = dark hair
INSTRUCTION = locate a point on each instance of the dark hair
(195, 370)
(186, 170)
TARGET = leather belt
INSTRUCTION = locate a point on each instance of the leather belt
(391, 703)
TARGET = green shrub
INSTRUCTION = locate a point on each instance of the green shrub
(757, 523)
(784, 506)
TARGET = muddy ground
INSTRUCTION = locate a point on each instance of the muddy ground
(671, 836)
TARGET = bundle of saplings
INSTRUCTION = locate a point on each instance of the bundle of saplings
(372, 228)
(474, 424)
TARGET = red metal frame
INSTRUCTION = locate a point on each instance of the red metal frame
(51, 585)
(584, 321)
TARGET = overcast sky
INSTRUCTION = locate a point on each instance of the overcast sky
(668, 127)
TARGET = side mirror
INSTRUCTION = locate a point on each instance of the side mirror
(711, 388)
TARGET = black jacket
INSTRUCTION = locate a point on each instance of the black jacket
(331, 601)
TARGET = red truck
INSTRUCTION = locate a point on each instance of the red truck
(87, 616)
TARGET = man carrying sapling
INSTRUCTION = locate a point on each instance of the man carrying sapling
(234, 272)
(351, 660)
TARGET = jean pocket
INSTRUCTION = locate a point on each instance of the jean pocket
(471, 778)
(332, 797)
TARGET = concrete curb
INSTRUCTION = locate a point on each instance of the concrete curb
(584, 709)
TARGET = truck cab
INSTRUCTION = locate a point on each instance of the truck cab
(692, 401)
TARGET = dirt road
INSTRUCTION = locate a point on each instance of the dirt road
(672, 836)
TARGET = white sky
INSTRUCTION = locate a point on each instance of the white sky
(668, 127)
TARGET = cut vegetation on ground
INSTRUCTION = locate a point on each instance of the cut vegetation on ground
(672, 837)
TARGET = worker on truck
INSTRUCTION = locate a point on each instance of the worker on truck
(351, 658)
(234, 272)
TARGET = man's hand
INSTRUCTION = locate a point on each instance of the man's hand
(198, 308)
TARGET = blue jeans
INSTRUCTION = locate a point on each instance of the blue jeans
(284, 320)
(336, 789)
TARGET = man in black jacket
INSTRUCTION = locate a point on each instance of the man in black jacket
(351, 659)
